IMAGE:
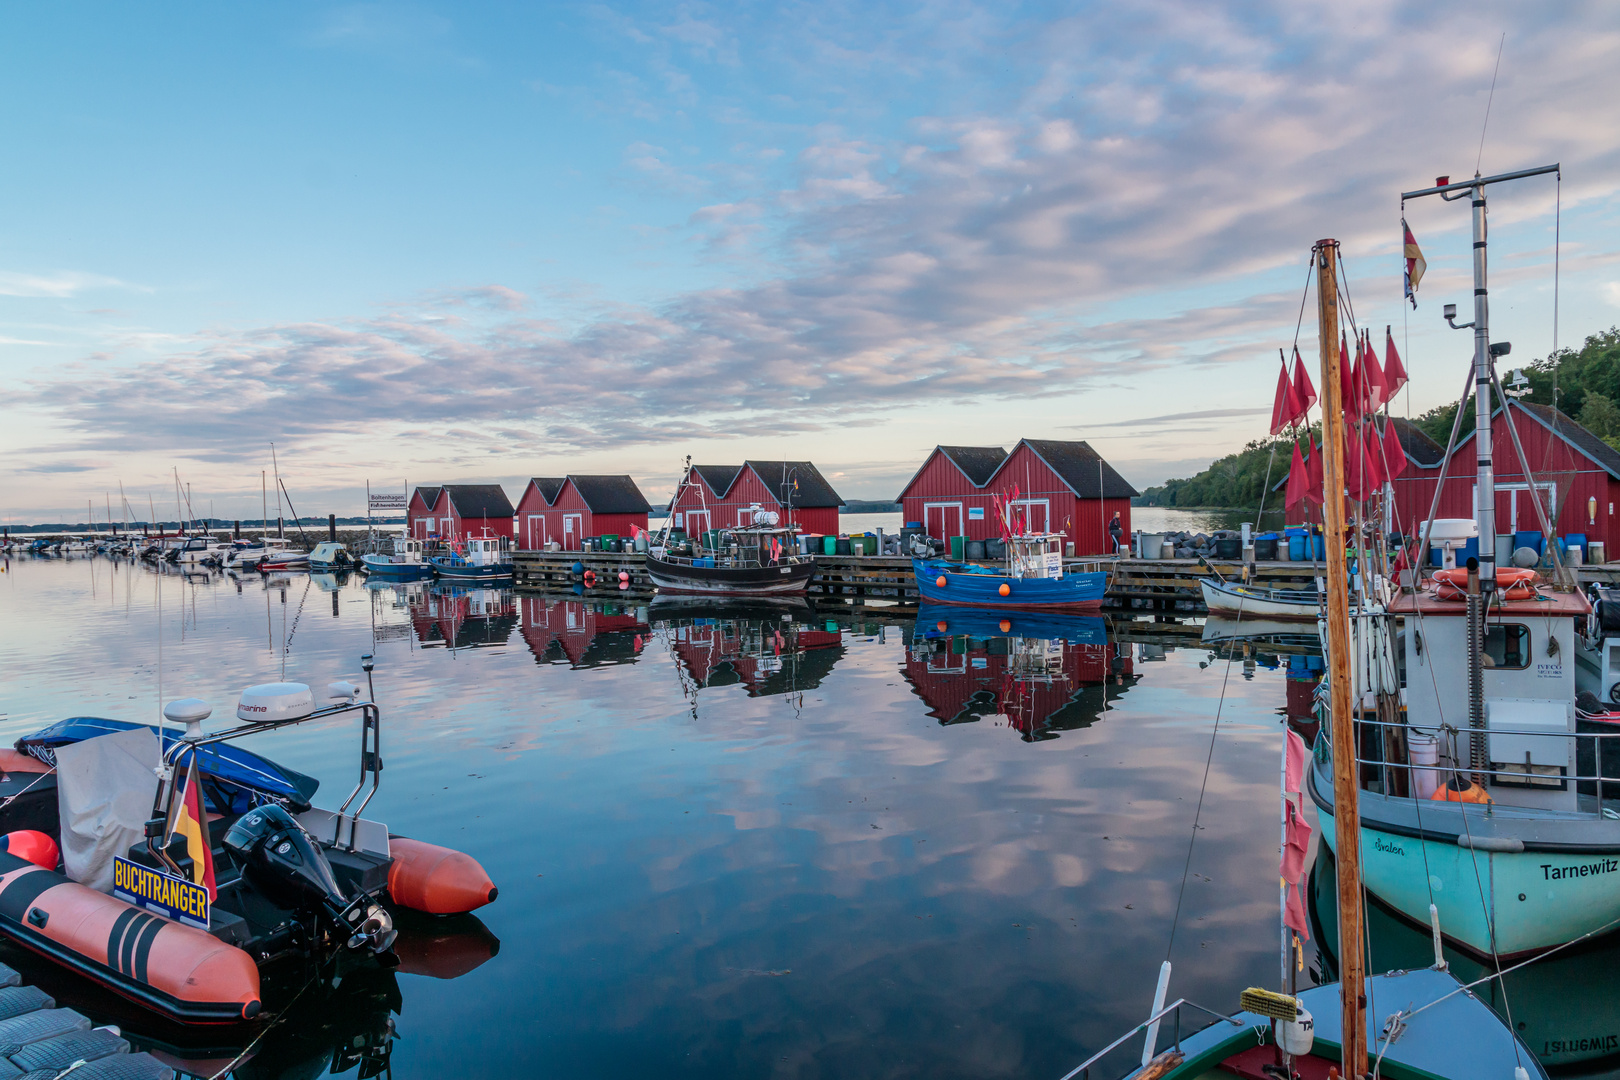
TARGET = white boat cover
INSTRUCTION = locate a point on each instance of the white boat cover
(104, 792)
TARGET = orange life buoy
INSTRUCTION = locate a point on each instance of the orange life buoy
(1459, 789)
(1513, 582)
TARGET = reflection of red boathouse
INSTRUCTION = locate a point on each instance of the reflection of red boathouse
(764, 656)
(457, 618)
(1039, 686)
(582, 634)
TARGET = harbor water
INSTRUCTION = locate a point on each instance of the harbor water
(727, 843)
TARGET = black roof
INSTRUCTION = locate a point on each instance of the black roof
(429, 495)
(1422, 450)
(1082, 469)
(978, 463)
(1576, 435)
(813, 489)
(719, 477)
(548, 486)
(480, 500)
(610, 494)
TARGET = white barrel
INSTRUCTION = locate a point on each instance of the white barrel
(1423, 751)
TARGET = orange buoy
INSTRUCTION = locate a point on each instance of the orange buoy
(940, 581)
(590, 577)
(33, 845)
(1005, 590)
(1006, 625)
(941, 626)
(435, 879)
(1460, 789)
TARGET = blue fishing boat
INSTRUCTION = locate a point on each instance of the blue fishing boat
(407, 563)
(1032, 578)
(481, 558)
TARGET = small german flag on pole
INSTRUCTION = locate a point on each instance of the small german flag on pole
(190, 820)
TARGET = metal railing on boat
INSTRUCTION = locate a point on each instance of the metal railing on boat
(1083, 1070)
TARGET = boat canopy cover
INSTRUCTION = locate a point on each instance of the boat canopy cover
(104, 790)
(235, 779)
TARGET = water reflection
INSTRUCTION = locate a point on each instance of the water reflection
(1038, 674)
(767, 652)
(456, 617)
(843, 887)
(583, 633)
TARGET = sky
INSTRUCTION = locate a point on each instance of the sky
(418, 244)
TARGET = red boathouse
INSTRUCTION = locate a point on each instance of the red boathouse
(1575, 472)
(456, 511)
(1063, 487)
(719, 496)
(566, 509)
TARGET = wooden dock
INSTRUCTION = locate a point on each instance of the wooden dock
(1139, 584)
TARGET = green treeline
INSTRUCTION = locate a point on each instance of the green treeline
(1587, 388)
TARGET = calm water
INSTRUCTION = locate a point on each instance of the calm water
(735, 847)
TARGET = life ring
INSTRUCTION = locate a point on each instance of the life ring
(1515, 583)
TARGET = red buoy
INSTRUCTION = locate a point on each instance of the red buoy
(33, 845)
(1006, 590)
(940, 581)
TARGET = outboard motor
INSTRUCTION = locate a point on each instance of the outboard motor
(281, 861)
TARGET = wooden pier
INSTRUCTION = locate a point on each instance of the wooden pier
(1140, 584)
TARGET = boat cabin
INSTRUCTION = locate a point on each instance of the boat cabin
(1035, 555)
(1529, 691)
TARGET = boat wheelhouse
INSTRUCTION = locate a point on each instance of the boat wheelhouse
(477, 558)
(407, 561)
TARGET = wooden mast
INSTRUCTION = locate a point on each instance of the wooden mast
(1346, 814)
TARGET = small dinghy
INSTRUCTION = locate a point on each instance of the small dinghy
(172, 868)
(284, 559)
(329, 555)
(1234, 601)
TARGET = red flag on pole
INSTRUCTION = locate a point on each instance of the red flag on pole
(1298, 481)
(1394, 370)
(1355, 464)
(1314, 481)
(1373, 376)
(1347, 380)
(1394, 453)
(1294, 914)
(1282, 404)
(1304, 389)
(1374, 452)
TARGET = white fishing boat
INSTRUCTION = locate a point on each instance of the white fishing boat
(1406, 1025)
(1485, 802)
(1233, 600)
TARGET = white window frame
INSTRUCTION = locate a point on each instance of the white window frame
(1046, 513)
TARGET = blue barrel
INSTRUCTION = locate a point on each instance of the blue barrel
(1296, 548)
(1318, 547)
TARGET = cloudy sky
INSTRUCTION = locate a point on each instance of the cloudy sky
(471, 242)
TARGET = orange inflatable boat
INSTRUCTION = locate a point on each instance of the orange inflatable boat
(235, 869)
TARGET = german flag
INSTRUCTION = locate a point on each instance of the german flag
(190, 820)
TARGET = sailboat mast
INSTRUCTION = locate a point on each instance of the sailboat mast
(1485, 483)
(1346, 814)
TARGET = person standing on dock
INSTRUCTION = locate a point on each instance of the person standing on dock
(1115, 531)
